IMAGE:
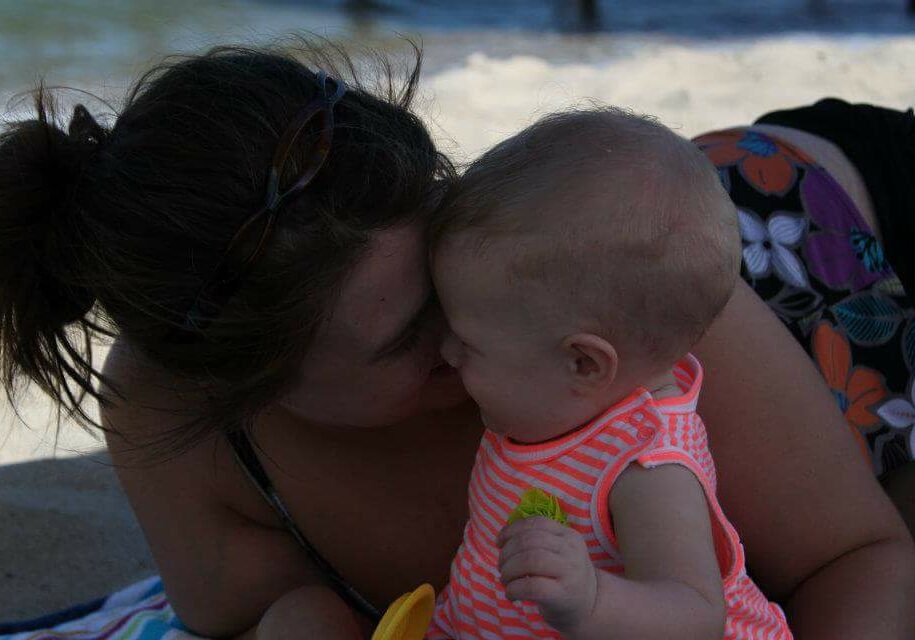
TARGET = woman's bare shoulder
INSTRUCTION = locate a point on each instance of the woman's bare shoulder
(142, 410)
(205, 525)
(132, 386)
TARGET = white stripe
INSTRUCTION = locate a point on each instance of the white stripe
(477, 548)
(586, 468)
(491, 481)
(478, 595)
(497, 460)
(605, 457)
(475, 496)
(613, 440)
(566, 479)
(519, 631)
(599, 533)
(484, 616)
(493, 583)
(495, 481)
(582, 522)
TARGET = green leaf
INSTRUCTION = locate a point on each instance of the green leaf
(535, 502)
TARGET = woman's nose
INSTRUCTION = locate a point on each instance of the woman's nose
(451, 350)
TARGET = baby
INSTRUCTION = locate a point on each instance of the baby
(578, 263)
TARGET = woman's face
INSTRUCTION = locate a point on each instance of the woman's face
(376, 361)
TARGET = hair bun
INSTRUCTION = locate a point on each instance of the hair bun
(42, 288)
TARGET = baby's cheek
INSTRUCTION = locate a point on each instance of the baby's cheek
(470, 382)
(480, 388)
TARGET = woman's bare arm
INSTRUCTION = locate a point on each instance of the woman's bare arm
(221, 569)
(820, 534)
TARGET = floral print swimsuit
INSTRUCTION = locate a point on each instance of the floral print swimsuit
(808, 252)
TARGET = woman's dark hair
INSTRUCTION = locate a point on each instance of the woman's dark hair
(113, 231)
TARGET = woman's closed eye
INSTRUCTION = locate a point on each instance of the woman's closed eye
(422, 329)
(467, 348)
(409, 342)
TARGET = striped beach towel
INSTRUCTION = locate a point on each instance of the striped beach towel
(138, 612)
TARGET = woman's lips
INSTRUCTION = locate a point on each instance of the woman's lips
(443, 369)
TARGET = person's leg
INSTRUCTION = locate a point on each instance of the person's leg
(880, 143)
(809, 253)
(900, 486)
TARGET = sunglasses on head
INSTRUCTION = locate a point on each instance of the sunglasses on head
(248, 243)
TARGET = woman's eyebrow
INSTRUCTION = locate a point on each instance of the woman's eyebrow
(412, 325)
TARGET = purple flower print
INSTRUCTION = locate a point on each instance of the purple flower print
(843, 254)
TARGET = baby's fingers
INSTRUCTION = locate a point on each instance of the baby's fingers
(527, 525)
(536, 589)
(533, 562)
(530, 540)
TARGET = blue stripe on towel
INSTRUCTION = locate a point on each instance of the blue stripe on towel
(154, 589)
(52, 619)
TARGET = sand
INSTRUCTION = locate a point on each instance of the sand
(66, 533)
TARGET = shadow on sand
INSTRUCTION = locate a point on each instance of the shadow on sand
(67, 535)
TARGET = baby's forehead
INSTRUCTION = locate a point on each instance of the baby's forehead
(466, 263)
(499, 276)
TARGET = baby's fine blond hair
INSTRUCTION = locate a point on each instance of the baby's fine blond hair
(618, 218)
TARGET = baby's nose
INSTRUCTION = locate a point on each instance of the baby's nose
(451, 350)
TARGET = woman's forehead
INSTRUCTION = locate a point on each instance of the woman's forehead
(384, 289)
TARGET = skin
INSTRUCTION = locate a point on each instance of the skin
(819, 533)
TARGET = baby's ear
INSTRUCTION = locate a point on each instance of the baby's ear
(591, 360)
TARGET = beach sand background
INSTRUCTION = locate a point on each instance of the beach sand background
(66, 532)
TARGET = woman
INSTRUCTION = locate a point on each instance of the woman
(306, 324)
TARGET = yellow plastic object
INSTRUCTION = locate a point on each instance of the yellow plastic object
(536, 502)
(408, 617)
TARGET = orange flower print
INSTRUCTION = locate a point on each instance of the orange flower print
(857, 390)
(767, 164)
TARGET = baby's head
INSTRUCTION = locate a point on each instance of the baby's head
(576, 261)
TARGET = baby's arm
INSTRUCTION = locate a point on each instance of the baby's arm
(309, 612)
(672, 584)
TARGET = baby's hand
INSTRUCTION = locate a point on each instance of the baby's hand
(548, 564)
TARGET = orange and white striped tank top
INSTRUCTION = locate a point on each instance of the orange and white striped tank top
(580, 469)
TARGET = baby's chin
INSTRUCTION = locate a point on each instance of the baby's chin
(493, 425)
(518, 435)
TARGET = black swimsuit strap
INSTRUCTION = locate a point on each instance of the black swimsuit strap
(251, 464)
